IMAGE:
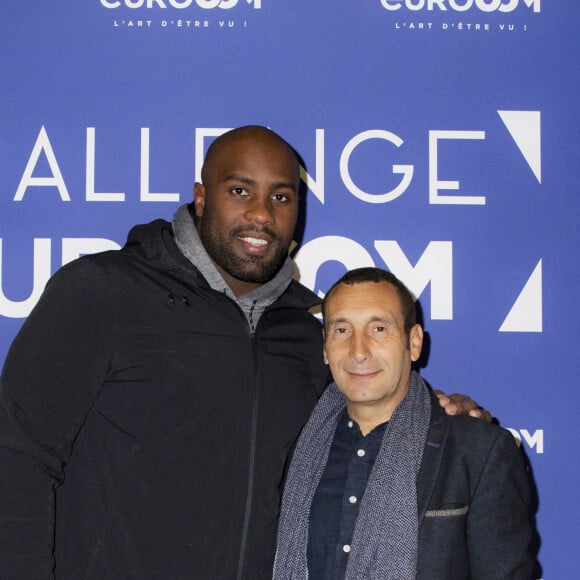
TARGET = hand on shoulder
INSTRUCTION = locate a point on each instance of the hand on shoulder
(458, 404)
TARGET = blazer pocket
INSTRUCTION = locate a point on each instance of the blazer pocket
(446, 513)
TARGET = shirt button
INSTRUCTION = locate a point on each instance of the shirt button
(361, 452)
(352, 499)
(346, 548)
(350, 424)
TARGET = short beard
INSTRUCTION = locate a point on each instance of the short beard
(253, 269)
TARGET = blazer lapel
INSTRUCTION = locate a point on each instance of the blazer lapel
(432, 457)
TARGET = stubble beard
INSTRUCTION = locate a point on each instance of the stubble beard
(253, 269)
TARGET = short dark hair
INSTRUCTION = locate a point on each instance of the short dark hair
(377, 275)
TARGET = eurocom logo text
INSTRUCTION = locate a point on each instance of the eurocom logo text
(461, 5)
(179, 4)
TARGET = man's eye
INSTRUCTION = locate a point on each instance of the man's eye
(239, 191)
(380, 328)
(280, 197)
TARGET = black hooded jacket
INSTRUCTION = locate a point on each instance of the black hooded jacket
(144, 430)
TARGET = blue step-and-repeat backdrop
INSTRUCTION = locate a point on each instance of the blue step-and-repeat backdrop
(440, 139)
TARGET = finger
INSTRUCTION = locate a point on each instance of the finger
(481, 414)
(464, 402)
(450, 408)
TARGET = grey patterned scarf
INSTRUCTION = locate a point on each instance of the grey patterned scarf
(385, 539)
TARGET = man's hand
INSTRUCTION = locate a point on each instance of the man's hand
(462, 405)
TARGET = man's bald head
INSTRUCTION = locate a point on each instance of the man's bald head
(250, 134)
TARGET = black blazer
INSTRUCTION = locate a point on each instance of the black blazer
(474, 502)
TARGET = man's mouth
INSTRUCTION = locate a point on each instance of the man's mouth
(362, 376)
(254, 246)
(254, 241)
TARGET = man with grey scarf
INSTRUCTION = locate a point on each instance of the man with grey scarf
(383, 485)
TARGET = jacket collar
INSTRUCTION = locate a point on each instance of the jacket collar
(154, 243)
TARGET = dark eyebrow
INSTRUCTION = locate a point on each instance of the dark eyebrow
(341, 320)
(284, 185)
(386, 319)
(236, 177)
(248, 181)
(332, 321)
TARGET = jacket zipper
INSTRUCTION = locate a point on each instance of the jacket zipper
(252, 458)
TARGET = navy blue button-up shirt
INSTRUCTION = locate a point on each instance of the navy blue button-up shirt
(337, 499)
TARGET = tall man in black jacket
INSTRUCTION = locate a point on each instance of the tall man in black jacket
(149, 402)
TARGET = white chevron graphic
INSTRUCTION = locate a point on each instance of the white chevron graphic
(525, 129)
(526, 313)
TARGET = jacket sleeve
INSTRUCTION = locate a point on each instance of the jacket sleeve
(52, 374)
(500, 527)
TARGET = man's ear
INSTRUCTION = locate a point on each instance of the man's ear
(198, 198)
(324, 347)
(416, 342)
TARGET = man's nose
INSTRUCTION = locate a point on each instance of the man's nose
(260, 211)
(360, 351)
